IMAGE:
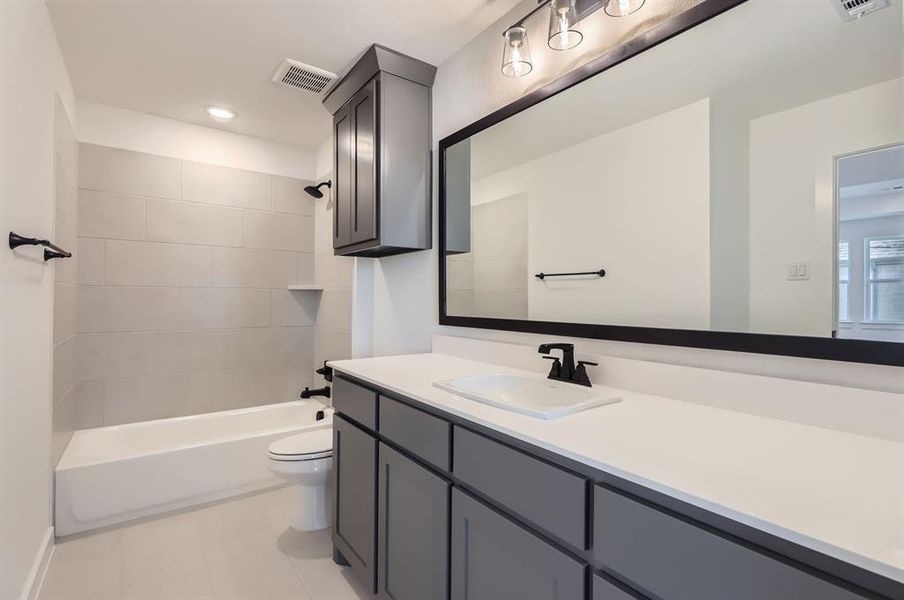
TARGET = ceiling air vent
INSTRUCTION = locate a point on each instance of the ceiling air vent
(300, 76)
(854, 9)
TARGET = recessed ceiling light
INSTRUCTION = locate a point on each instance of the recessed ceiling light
(220, 113)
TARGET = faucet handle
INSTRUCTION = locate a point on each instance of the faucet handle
(556, 368)
(580, 373)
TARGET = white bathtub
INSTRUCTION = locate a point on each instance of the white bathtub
(112, 474)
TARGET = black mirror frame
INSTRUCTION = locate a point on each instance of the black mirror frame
(856, 351)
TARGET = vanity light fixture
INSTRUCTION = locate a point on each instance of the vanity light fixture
(220, 113)
(623, 8)
(564, 32)
(563, 25)
(516, 53)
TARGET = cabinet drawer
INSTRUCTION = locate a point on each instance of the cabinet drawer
(495, 559)
(676, 560)
(422, 434)
(545, 495)
(355, 402)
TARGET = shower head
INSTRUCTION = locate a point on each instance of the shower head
(314, 190)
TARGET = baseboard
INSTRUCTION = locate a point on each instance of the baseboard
(39, 567)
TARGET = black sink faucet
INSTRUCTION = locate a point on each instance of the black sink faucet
(566, 369)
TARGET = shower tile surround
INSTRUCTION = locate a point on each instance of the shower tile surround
(182, 305)
(66, 389)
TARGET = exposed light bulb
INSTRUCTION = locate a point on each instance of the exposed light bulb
(516, 61)
(563, 25)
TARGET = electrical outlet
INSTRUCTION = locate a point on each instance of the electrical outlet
(798, 271)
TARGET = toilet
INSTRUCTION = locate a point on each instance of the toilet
(305, 460)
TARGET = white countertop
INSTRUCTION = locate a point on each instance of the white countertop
(838, 493)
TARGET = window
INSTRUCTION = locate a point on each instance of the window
(885, 279)
(844, 278)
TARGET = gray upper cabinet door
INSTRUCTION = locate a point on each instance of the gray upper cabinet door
(669, 558)
(413, 548)
(354, 498)
(495, 559)
(382, 140)
(342, 177)
(363, 107)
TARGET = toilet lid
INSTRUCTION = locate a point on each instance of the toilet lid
(308, 444)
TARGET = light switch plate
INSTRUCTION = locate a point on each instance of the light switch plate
(798, 271)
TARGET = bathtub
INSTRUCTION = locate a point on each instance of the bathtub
(113, 474)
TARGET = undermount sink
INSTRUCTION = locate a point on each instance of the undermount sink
(534, 396)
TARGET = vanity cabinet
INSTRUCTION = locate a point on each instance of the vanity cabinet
(413, 530)
(431, 506)
(381, 155)
(355, 498)
(492, 557)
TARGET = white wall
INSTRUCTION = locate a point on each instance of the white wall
(791, 200)
(655, 248)
(32, 73)
(469, 86)
(120, 128)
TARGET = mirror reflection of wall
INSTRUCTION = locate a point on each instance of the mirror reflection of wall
(870, 266)
(700, 175)
(491, 279)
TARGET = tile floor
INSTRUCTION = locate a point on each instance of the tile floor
(235, 550)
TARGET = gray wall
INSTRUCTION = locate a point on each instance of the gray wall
(182, 299)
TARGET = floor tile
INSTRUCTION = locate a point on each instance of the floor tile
(162, 549)
(84, 546)
(97, 577)
(327, 581)
(252, 566)
(236, 550)
(195, 586)
(230, 519)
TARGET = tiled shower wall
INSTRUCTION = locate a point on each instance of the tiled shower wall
(182, 299)
(65, 230)
(491, 280)
(333, 326)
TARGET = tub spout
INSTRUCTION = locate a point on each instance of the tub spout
(309, 393)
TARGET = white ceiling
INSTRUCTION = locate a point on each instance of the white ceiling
(175, 57)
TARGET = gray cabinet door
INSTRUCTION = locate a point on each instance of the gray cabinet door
(495, 559)
(363, 106)
(342, 177)
(413, 549)
(354, 498)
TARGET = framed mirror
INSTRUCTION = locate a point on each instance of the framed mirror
(731, 179)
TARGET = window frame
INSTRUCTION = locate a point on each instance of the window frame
(868, 281)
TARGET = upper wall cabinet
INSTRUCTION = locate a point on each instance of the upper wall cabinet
(381, 155)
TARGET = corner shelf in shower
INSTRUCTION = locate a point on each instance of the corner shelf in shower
(306, 288)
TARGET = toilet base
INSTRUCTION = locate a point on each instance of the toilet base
(309, 510)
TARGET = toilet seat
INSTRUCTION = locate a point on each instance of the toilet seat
(305, 446)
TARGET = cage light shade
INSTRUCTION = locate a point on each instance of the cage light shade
(563, 25)
(516, 61)
(623, 8)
